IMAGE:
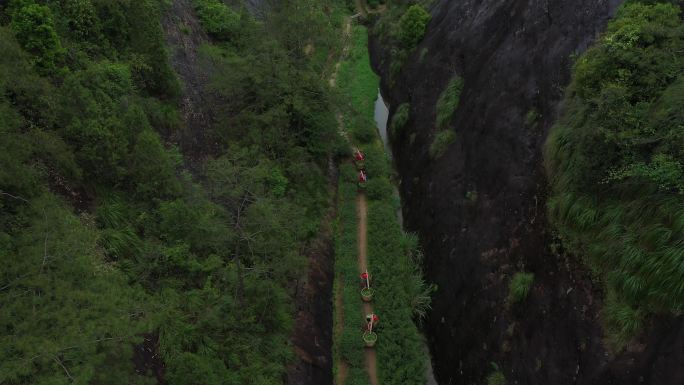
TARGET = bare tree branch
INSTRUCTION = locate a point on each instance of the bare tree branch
(57, 360)
(13, 196)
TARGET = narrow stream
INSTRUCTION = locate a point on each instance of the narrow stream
(381, 116)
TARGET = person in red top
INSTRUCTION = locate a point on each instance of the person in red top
(358, 155)
(365, 278)
(372, 318)
(362, 177)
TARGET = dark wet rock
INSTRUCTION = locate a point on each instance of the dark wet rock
(480, 209)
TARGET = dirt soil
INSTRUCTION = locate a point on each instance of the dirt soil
(147, 359)
(480, 209)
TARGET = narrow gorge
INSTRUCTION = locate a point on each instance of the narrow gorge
(479, 206)
(342, 192)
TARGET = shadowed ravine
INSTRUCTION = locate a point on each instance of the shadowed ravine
(480, 209)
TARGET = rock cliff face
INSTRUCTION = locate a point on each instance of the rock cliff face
(480, 209)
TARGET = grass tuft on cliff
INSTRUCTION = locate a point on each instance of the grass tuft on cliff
(440, 143)
(496, 378)
(399, 119)
(519, 288)
(448, 101)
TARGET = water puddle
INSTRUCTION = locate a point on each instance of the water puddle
(381, 115)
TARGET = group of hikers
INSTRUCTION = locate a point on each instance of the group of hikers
(369, 336)
(359, 159)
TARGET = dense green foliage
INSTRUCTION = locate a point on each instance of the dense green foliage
(35, 30)
(615, 164)
(441, 142)
(401, 296)
(105, 237)
(519, 288)
(412, 25)
(448, 101)
(359, 87)
(400, 28)
(219, 20)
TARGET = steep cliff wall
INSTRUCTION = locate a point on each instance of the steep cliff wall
(480, 208)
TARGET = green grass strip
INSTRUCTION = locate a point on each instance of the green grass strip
(396, 276)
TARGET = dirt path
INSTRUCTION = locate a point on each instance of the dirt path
(367, 308)
(346, 36)
(362, 208)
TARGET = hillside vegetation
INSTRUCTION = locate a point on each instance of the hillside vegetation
(615, 161)
(106, 238)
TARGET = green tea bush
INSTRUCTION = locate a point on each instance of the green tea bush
(377, 163)
(364, 132)
(378, 188)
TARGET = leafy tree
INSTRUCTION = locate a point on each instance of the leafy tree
(35, 31)
(412, 25)
(203, 261)
(77, 316)
(153, 169)
(218, 19)
(82, 20)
